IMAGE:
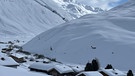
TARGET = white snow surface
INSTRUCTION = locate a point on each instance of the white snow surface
(42, 66)
(77, 68)
(112, 34)
(7, 61)
(29, 17)
(94, 73)
(61, 68)
(114, 72)
(5, 71)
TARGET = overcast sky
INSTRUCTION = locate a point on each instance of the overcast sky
(104, 4)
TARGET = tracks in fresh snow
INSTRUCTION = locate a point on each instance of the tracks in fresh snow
(49, 8)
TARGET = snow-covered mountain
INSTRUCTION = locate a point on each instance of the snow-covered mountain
(77, 9)
(107, 37)
(29, 17)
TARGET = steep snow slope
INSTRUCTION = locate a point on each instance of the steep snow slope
(125, 15)
(29, 17)
(104, 36)
(77, 9)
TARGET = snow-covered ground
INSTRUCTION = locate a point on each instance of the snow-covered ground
(5, 71)
(21, 69)
(29, 17)
(109, 37)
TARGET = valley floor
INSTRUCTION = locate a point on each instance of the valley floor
(38, 65)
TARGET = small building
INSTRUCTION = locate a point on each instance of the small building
(112, 72)
(5, 71)
(5, 50)
(18, 58)
(41, 67)
(8, 62)
(77, 68)
(52, 68)
(61, 70)
(90, 73)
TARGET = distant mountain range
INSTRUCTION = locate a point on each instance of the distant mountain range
(77, 9)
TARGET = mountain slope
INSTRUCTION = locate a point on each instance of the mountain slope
(107, 38)
(29, 17)
(124, 9)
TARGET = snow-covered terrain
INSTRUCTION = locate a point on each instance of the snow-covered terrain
(5, 71)
(77, 9)
(29, 17)
(109, 37)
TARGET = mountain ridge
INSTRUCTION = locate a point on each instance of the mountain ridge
(76, 9)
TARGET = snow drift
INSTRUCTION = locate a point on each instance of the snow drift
(110, 37)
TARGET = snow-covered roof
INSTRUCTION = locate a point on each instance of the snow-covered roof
(77, 68)
(8, 61)
(5, 71)
(42, 66)
(18, 55)
(46, 60)
(61, 68)
(113, 72)
(90, 73)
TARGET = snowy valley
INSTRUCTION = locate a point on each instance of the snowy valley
(17, 62)
(66, 38)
